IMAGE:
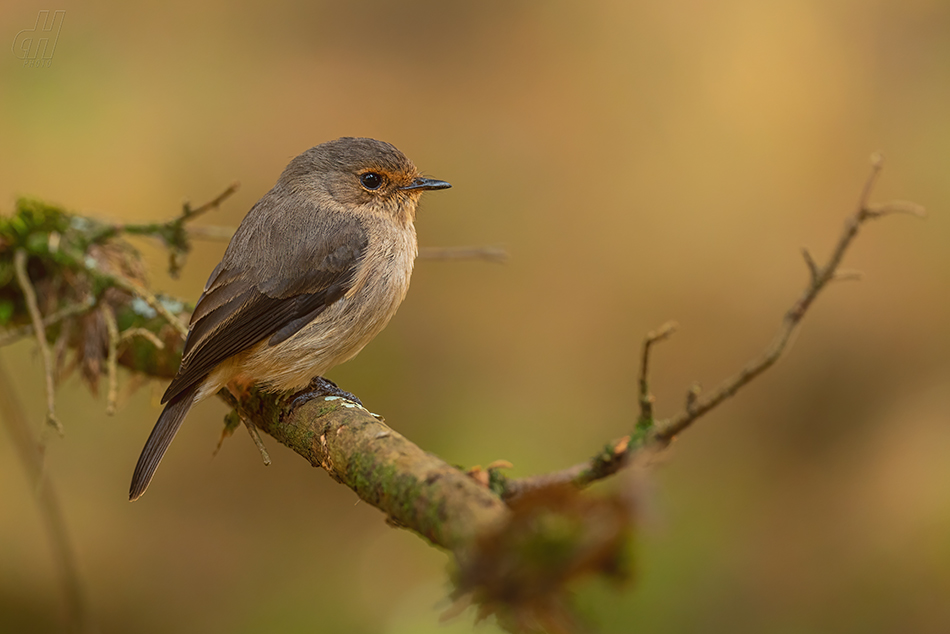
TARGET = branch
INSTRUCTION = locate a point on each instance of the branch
(652, 436)
(29, 294)
(646, 398)
(468, 514)
(415, 489)
(819, 280)
(174, 233)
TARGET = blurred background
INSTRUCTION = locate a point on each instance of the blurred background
(641, 161)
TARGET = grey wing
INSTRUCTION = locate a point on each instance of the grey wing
(299, 270)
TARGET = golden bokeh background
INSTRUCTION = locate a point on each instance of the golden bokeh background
(641, 161)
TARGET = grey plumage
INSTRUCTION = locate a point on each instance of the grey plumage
(315, 270)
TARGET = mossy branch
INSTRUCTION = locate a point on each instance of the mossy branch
(414, 488)
(91, 294)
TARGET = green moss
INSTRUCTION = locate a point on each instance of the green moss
(497, 482)
(402, 495)
(327, 408)
(641, 432)
(33, 217)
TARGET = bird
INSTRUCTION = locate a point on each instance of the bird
(314, 272)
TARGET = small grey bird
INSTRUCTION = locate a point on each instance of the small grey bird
(315, 270)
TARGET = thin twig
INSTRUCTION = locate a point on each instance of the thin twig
(691, 395)
(145, 334)
(608, 462)
(111, 363)
(174, 233)
(187, 213)
(61, 345)
(847, 275)
(152, 301)
(229, 398)
(31, 457)
(15, 334)
(611, 459)
(256, 437)
(29, 294)
(820, 278)
(646, 399)
(487, 253)
(895, 207)
(810, 262)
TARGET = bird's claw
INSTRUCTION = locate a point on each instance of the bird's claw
(322, 388)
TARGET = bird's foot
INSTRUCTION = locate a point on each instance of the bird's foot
(325, 389)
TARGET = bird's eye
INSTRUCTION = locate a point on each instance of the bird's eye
(371, 180)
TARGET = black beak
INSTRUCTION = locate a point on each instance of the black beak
(424, 184)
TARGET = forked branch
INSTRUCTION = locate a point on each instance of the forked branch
(652, 435)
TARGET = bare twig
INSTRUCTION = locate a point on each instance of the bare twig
(174, 232)
(29, 294)
(895, 207)
(15, 334)
(145, 334)
(256, 437)
(646, 399)
(61, 345)
(611, 459)
(487, 253)
(608, 462)
(187, 213)
(691, 395)
(152, 301)
(820, 277)
(847, 275)
(28, 448)
(111, 369)
(229, 398)
(810, 262)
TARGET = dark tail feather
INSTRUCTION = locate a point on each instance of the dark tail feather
(157, 443)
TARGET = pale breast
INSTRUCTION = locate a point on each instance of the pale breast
(340, 332)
